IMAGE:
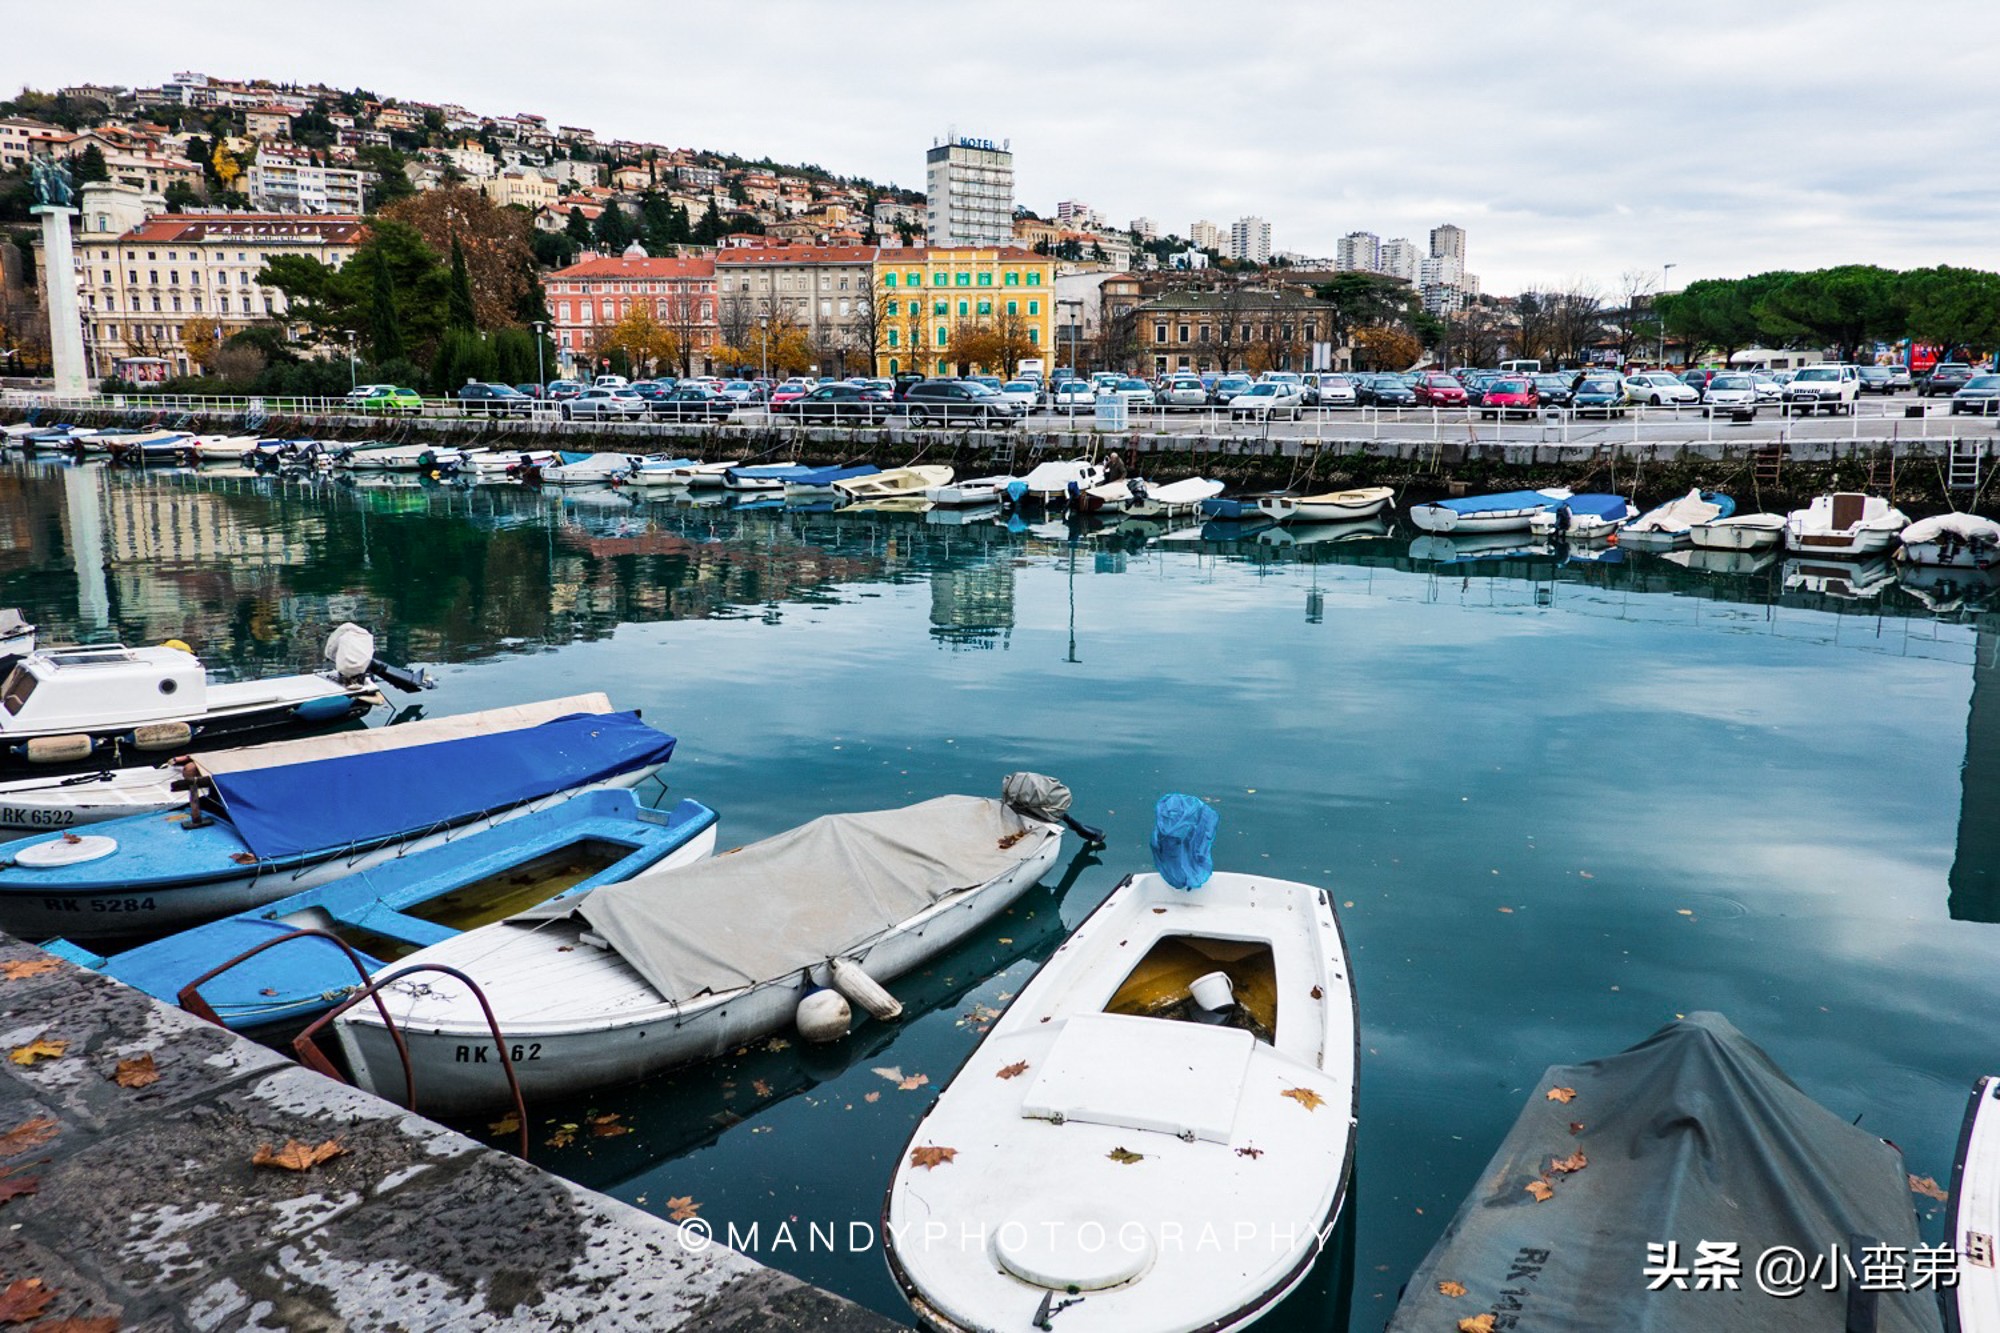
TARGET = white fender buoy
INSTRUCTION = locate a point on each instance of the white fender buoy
(823, 1016)
(851, 980)
(162, 736)
(58, 749)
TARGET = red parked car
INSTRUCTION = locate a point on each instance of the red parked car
(1507, 396)
(1438, 390)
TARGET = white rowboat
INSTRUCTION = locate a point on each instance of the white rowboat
(1326, 507)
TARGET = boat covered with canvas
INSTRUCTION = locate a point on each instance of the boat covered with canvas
(1667, 527)
(584, 469)
(399, 458)
(821, 481)
(101, 703)
(1054, 480)
(1503, 511)
(1622, 1177)
(1183, 1066)
(1158, 500)
(765, 476)
(1584, 518)
(970, 492)
(898, 483)
(1739, 532)
(681, 965)
(1952, 541)
(259, 833)
(1847, 523)
(1324, 507)
(402, 905)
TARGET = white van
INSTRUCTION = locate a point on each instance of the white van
(1530, 366)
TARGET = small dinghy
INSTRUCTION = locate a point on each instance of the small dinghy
(1052, 481)
(970, 493)
(1623, 1178)
(703, 476)
(1847, 523)
(1972, 1224)
(582, 469)
(1184, 496)
(1158, 1134)
(1326, 507)
(1505, 511)
(822, 480)
(895, 484)
(1666, 527)
(1952, 541)
(169, 448)
(682, 965)
(223, 448)
(403, 905)
(94, 703)
(764, 477)
(506, 464)
(1584, 518)
(399, 458)
(1739, 532)
(265, 832)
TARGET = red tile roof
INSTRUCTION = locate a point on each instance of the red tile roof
(616, 266)
(332, 228)
(748, 255)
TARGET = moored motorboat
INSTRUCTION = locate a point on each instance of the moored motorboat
(764, 477)
(223, 448)
(1584, 518)
(405, 904)
(1324, 507)
(264, 832)
(681, 965)
(506, 464)
(1739, 532)
(1667, 527)
(1953, 541)
(703, 476)
(973, 491)
(1503, 511)
(583, 469)
(1972, 1220)
(1691, 1146)
(1052, 481)
(398, 458)
(1158, 1134)
(1845, 523)
(896, 483)
(172, 448)
(822, 481)
(1186, 495)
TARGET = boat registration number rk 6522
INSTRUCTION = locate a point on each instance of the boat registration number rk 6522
(479, 1055)
(30, 817)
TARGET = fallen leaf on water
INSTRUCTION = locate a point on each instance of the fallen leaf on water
(681, 1207)
(1015, 1070)
(1576, 1161)
(563, 1137)
(137, 1072)
(606, 1126)
(1005, 940)
(1928, 1187)
(1576, 1127)
(297, 1156)
(19, 1185)
(1451, 1289)
(1479, 1323)
(1541, 1189)
(28, 1134)
(1586, 874)
(913, 1082)
(930, 1157)
(760, 1087)
(1252, 1153)
(871, 1097)
(894, 1073)
(24, 1299)
(41, 1048)
(506, 1124)
(777, 1044)
(1561, 1094)
(15, 969)
(1305, 1097)
(1508, 910)
(1684, 911)
(1125, 1156)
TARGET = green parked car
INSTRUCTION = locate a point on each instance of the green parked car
(385, 398)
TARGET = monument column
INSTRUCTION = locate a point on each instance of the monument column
(59, 282)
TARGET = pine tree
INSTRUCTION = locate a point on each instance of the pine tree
(578, 228)
(385, 326)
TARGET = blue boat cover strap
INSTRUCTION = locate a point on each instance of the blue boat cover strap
(1184, 840)
(362, 799)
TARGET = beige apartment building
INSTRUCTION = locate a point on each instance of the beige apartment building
(826, 290)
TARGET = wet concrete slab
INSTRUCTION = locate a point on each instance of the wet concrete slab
(146, 1206)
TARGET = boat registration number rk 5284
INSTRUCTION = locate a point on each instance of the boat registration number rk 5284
(479, 1055)
(97, 904)
(29, 817)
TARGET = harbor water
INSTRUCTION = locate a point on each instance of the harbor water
(1559, 801)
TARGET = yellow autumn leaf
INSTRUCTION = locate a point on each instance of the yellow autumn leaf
(1479, 1323)
(41, 1048)
(1451, 1289)
(1541, 1190)
(1561, 1094)
(1305, 1097)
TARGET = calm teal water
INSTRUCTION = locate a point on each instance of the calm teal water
(1560, 805)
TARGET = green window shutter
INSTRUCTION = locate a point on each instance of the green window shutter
(1034, 307)
(1013, 307)
(888, 280)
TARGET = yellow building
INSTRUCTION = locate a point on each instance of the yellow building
(963, 310)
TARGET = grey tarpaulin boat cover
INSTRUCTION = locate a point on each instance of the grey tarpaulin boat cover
(1692, 1135)
(769, 909)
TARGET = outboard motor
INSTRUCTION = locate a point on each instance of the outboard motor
(1039, 796)
(351, 649)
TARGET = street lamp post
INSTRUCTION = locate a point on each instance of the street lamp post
(541, 372)
(353, 377)
(764, 349)
(1659, 319)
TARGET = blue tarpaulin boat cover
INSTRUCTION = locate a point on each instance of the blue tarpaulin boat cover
(826, 476)
(1598, 506)
(370, 798)
(772, 471)
(1184, 840)
(1503, 500)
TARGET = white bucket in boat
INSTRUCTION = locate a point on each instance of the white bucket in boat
(1213, 991)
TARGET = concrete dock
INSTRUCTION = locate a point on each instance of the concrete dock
(137, 1200)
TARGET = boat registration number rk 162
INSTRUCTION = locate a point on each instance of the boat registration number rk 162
(30, 817)
(479, 1055)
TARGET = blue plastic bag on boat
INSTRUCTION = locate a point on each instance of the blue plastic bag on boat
(1183, 840)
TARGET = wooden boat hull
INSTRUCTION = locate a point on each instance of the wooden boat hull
(458, 1072)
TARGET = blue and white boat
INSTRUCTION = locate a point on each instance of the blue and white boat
(585, 469)
(765, 477)
(1504, 511)
(821, 479)
(1583, 518)
(267, 832)
(409, 903)
(1669, 526)
(658, 470)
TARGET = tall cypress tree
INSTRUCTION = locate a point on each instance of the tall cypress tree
(460, 314)
(385, 326)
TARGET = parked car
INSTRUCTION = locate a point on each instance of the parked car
(559, 390)
(1599, 396)
(789, 392)
(605, 402)
(1731, 392)
(944, 402)
(1227, 387)
(535, 391)
(1183, 391)
(1979, 396)
(611, 382)
(1436, 389)
(1698, 378)
(1073, 396)
(1899, 375)
(1555, 390)
(494, 400)
(741, 391)
(1878, 379)
(1337, 390)
(840, 405)
(1384, 391)
(1026, 392)
(384, 398)
(1267, 399)
(1656, 388)
(1946, 378)
(1826, 387)
(689, 401)
(1135, 392)
(1769, 388)
(1509, 396)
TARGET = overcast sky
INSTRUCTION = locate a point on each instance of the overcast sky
(1572, 141)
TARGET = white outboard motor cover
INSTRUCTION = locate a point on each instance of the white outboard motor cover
(350, 648)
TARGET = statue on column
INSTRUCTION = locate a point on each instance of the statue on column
(52, 184)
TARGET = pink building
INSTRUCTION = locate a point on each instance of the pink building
(593, 293)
